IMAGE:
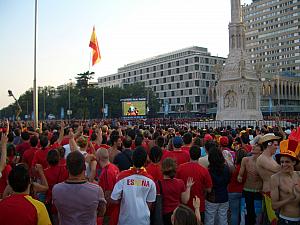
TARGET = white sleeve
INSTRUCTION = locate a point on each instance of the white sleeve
(117, 191)
(152, 193)
(0, 174)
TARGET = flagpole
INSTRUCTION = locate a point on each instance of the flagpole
(35, 96)
(103, 103)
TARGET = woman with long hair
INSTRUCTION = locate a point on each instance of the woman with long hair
(216, 205)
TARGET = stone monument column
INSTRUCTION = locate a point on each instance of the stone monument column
(238, 88)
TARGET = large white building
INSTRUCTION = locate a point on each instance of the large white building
(273, 35)
(180, 79)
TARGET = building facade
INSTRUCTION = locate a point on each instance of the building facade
(273, 35)
(180, 79)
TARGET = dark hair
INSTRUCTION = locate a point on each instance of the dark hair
(25, 136)
(93, 136)
(75, 163)
(11, 150)
(34, 141)
(19, 178)
(43, 141)
(187, 138)
(198, 141)
(54, 138)
(138, 141)
(209, 144)
(195, 152)
(184, 216)
(114, 139)
(127, 142)
(155, 154)
(216, 159)
(61, 150)
(53, 157)
(240, 154)
(10, 137)
(139, 157)
(168, 167)
(160, 141)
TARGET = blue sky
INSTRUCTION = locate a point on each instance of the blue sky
(127, 31)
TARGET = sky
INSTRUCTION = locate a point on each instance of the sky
(127, 31)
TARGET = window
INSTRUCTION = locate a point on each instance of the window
(172, 79)
(197, 98)
(213, 76)
(190, 91)
(196, 59)
(154, 68)
(169, 72)
(190, 76)
(177, 70)
(187, 84)
(161, 66)
(162, 87)
(165, 80)
(165, 94)
(203, 75)
(197, 83)
(172, 93)
(147, 70)
(186, 61)
(161, 73)
(181, 92)
(186, 69)
(207, 83)
(147, 76)
(177, 63)
(196, 67)
(178, 85)
(150, 82)
(169, 86)
(169, 65)
(181, 77)
(156, 81)
(187, 99)
(178, 100)
(204, 91)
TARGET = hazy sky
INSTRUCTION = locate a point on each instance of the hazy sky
(127, 31)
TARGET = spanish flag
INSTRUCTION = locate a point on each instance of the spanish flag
(94, 45)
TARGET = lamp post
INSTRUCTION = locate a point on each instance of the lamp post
(35, 96)
(19, 110)
(69, 110)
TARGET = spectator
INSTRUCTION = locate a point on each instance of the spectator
(124, 159)
(200, 175)
(78, 201)
(173, 190)
(216, 205)
(135, 190)
(29, 153)
(154, 167)
(20, 207)
(107, 180)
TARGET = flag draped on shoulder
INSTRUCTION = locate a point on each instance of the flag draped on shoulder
(94, 45)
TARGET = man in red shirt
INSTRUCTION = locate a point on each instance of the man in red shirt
(200, 175)
(40, 156)
(21, 148)
(177, 154)
(187, 140)
(54, 174)
(20, 207)
(29, 153)
(107, 181)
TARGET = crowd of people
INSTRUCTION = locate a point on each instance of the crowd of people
(96, 172)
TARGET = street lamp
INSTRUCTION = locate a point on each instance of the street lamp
(69, 111)
(19, 110)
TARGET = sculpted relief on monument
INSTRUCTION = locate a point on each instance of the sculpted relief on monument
(230, 99)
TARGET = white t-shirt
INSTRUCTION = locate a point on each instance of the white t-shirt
(135, 191)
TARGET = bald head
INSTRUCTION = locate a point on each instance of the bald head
(102, 155)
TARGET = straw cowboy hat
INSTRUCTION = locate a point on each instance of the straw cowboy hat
(268, 137)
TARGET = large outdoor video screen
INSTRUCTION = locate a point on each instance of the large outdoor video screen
(134, 107)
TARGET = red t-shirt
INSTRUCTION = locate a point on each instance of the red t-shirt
(28, 156)
(54, 175)
(155, 171)
(40, 157)
(234, 185)
(65, 141)
(107, 181)
(16, 209)
(179, 156)
(54, 146)
(4, 178)
(21, 148)
(171, 190)
(186, 149)
(201, 178)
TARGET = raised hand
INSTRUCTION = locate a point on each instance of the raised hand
(189, 182)
(196, 202)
